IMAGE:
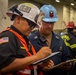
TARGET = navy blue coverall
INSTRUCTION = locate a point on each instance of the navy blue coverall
(57, 44)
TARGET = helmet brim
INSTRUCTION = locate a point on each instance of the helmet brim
(30, 20)
(70, 27)
(9, 14)
(50, 20)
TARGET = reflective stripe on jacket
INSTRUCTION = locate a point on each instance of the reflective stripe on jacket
(70, 41)
(67, 40)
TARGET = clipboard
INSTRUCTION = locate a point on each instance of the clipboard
(62, 63)
(51, 55)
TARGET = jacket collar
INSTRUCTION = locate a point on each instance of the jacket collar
(55, 39)
(15, 29)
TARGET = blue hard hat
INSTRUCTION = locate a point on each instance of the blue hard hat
(50, 13)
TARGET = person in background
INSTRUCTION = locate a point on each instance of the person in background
(45, 36)
(16, 52)
(74, 30)
(70, 40)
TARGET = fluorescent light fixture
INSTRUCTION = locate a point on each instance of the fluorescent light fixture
(72, 4)
(57, 0)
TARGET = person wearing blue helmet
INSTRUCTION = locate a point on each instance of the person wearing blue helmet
(45, 36)
(50, 13)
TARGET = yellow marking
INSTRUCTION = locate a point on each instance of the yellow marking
(29, 5)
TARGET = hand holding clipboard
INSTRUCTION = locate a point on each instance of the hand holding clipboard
(51, 55)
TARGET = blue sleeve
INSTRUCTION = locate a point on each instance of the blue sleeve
(66, 53)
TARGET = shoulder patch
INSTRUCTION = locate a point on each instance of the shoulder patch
(4, 40)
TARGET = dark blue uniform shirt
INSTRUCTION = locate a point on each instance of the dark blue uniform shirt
(57, 44)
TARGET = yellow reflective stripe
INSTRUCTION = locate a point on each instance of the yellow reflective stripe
(73, 46)
(74, 60)
(67, 44)
(65, 37)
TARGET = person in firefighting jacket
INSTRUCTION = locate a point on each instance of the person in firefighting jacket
(16, 52)
(45, 36)
(74, 30)
(70, 40)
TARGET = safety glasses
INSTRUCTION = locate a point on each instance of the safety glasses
(31, 24)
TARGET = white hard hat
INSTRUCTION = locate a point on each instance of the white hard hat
(26, 10)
